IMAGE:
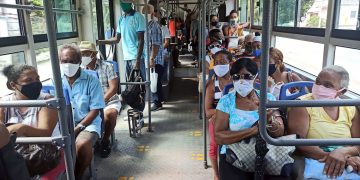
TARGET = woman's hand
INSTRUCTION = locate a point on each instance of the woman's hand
(354, 162)
(335, 163)
(19, 129)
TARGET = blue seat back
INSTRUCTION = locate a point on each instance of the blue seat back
(50, 89)
(92, 73)
(300, 85)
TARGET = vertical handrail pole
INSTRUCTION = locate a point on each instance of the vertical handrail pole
(54, 58)
(203, 30)
(199, 50)
(147, 44)
(266, 34)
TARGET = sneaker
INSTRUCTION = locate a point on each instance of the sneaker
(105, 149)
(156, 107)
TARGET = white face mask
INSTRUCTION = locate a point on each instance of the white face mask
(215, 50)
(85, 61)
(69, 69)
(221, 70)
(243, 87)
(149, 17)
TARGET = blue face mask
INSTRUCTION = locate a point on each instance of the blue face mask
(257, 53)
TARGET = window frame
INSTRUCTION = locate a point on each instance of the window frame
(343, 33)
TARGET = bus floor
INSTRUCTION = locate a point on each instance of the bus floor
(173, 151)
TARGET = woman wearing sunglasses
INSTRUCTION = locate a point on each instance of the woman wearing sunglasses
(214, 92)
(237, 115)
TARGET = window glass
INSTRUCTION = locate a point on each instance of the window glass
(43, 62)
(38, 23)
(258, 10)
(286, 10)
(348, 15)
(94, 19)
(9, 20)
(307, 56)
(64, 20)
(5, 60)
(109, 32)
(243, 11)
(313, 13)
(349, 59)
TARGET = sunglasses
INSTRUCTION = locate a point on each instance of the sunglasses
(237, 77)
(213, 46)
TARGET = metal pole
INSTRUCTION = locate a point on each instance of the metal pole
(204, 81)
(148, 91)
(51, 33)
(199, 50)
(39, 8)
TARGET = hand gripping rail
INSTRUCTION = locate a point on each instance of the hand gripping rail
(266, 31)
(59, 101)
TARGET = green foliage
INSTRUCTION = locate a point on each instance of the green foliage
(314, 21)
(37, 3)
(305, 6)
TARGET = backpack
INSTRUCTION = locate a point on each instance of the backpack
(134, 95)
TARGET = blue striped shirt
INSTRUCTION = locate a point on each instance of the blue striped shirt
(155, 38)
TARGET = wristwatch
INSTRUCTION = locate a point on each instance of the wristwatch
(81, 126)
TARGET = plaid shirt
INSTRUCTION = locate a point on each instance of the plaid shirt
(106, 73)
(155, 33)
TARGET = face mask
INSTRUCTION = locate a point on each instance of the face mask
(257, 53)
(320, 92)
(149, 17)
(215, 50)
(214, 23)
(244, 87)
(221, 70)
(85, 61)
(126, 7)
(232, 22)
(32, 90)
(272, 69)
(69, 69)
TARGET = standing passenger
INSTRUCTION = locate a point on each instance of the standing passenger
(156, 59)
(131, 30)
(110, 83)
(87, 100)
(234, 30)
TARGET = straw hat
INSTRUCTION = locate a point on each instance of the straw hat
(87, 46)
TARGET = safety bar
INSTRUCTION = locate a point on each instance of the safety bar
(39, 8)
(135, 83)
(51, 103)
(59, 140)
(266, 33)
(203, 57)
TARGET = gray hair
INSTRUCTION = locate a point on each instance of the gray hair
(340, 71)
(13, 72)
(71, 47)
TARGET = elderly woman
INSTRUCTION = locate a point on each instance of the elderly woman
(214, 92)
(27, 121)
(328, 122)
(236, 114)
(278, 73)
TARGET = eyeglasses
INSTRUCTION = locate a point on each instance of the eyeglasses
(214, 45)
(236, 77)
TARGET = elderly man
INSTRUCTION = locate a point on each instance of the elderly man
(156, 56)
(328, 122)
(87, 100)
(131, 29)
(110, 83)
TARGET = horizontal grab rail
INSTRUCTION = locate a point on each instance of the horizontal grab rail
(39, 8)
(134, 83)
(39, 140)
(313, 103)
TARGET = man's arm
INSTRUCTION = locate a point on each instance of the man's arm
(140, 48)
(113, 40)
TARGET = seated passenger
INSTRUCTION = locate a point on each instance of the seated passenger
(256, 46)
(87, 99)
(215, 46)
(236, 114)
(213, 94)
(279, 74)
(248, 52)
(328, 122)
(28, 121)
(109, 81)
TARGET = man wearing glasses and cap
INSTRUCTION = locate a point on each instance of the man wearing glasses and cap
(131, 29)
(110, 83)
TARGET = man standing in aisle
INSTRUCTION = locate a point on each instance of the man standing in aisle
(131, 29)
(156, 57)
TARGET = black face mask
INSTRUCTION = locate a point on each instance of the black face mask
(214, 23)
(272, 69)
(32, 90)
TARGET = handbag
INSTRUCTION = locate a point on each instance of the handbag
(277, 160)
(39, 158)
(134, 94)
(153, 80)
